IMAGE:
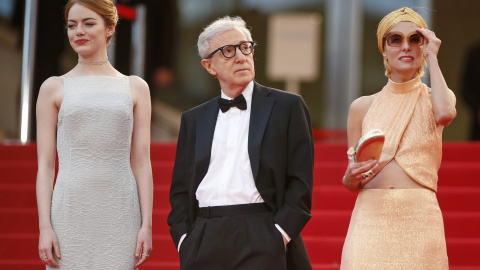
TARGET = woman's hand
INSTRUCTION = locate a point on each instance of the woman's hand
(144, 245)
(47, 243)
(431, 45)
(359, 174)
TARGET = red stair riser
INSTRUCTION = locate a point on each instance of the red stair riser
(325, 174)
(324, 198)
(323, 151)
(322, 223)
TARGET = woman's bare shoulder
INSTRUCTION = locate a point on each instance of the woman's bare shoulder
(138, 82)
(51, 92)
(362, 104)
(52, 85)
(53, 81)
(138, 85)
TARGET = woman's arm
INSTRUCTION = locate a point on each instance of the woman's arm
(141, 165)
(48, 105)
(353, 179)
(443, 99)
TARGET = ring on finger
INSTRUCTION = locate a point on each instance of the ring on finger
(367, 174)
(146, 255)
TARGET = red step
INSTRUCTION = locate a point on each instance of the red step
(450, 173)
(461, 199)
(9, 152)
(323, 250)
(323, 223)
(452, 151)
(325, 173)
(461, 151)
(34, 264)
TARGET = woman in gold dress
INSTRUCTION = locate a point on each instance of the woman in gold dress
(397, 222)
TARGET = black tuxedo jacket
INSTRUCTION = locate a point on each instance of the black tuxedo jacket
(281, 151)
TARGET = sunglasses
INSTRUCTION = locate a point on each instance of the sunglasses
(395, 39)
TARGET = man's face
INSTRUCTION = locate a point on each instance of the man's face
(235, 73)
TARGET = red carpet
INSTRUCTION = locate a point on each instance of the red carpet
(458, 195)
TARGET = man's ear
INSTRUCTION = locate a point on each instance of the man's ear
(207, 65)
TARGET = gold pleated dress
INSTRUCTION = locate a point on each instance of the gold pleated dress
(401, 228)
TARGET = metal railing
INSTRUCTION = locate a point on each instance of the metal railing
(28, 62)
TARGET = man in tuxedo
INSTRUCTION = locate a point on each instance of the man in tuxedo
(242, 182)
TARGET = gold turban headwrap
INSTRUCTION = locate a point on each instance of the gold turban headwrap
(404, 14)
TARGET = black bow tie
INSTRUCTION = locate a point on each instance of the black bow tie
(238, 102)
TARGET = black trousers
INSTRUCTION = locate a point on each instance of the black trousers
(233, 237)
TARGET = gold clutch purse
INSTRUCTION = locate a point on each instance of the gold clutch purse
(369, 146)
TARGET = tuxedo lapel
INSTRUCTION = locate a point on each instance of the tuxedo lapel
(260, 113)
(205, 127)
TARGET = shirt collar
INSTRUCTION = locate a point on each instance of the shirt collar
(247, 93)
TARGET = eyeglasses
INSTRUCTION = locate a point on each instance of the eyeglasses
(229, 51)
(395, 39)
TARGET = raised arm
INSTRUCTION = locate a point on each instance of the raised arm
(141, 165)
(443, 99)
(48, 104)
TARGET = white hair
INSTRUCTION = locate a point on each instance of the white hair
(217, 27)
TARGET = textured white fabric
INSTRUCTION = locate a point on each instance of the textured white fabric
(229, 179)
(95, 207)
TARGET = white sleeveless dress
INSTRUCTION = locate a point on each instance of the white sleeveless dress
(95, 207)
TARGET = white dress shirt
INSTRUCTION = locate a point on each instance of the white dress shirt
(229, 179)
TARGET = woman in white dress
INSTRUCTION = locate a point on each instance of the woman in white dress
(99, 215)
